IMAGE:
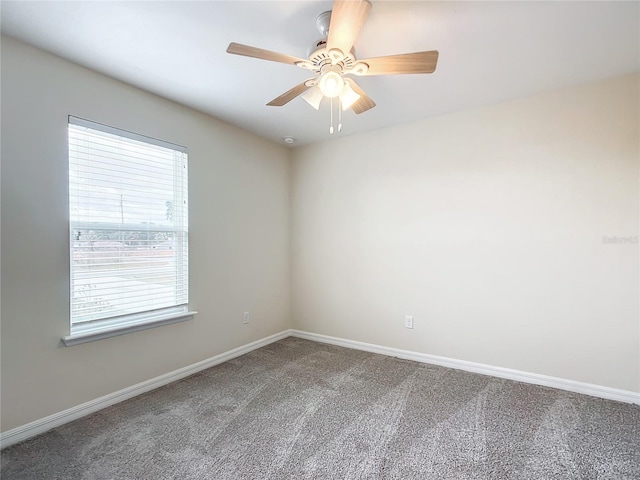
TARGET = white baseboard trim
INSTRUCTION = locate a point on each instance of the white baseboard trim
(500, 372)
(42, 425)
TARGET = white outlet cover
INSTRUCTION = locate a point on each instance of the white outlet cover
(408, 321)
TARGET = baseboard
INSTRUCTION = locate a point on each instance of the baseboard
(42, 425)
(500, 372)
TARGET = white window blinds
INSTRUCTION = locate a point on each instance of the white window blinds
(128, 226)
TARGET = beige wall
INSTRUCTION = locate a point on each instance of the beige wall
(487, 226)
(239, 237)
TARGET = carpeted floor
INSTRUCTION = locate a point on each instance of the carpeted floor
(298, 410)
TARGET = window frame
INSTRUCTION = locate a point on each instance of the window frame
(109, 326)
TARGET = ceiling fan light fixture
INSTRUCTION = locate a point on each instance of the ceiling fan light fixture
(332, 59)
(313, 97)
(331, 84)
(348, 97)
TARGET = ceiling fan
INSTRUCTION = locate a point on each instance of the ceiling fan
(333, 58)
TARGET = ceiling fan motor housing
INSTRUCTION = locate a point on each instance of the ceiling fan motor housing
(319, 45)
(318, 54)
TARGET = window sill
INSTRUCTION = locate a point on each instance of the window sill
(112, 331)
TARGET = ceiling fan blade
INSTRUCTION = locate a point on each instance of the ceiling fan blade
(286, 97)
(418, 62)
(364, 103)
(347, 19)
(247, 51)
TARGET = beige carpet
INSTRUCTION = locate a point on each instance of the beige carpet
(301, 410)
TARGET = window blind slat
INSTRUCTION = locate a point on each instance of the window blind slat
(96, 128)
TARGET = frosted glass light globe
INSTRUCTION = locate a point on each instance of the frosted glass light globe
(331, 84)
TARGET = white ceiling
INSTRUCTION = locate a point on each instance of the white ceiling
(489, 52)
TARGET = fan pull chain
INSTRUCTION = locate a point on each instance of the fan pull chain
(331, 118)
(339, 115)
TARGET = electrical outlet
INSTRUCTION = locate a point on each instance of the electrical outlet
(408, 321)
(245, 318)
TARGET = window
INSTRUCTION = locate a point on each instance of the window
(128, 231)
